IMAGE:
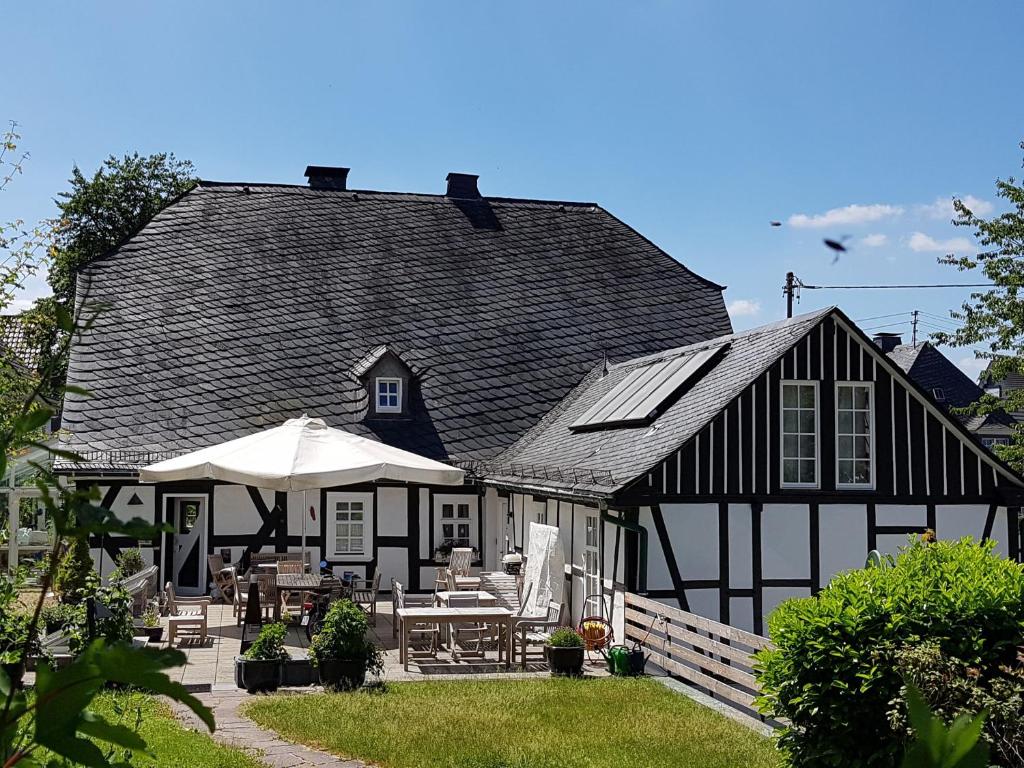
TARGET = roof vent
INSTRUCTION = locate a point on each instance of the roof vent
(887, 342)
(326, 176)
(463, 186)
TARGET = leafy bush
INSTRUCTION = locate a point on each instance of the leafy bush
(936, 746)
(834, 671)
(129, 562)
(76, 578)
(954, 689)
(15, 624)
(269, 644)
(57, 616)
(342, 637)
(565, 637)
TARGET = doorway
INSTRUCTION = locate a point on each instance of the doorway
(188, 543)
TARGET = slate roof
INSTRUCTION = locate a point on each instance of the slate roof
(604, 461)
(240, 306)
(931, 370)
(14, 339)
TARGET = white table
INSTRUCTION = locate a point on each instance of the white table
(483, 598)
(443, 615)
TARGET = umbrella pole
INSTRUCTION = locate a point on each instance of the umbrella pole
(305, 511)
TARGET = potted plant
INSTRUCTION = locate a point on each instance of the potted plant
(150, 627)
(565, 652)
(259, 669)
(341, 650)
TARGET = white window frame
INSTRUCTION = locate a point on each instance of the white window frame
(593, 601)
(817, 433)
(473, 521)
(376, 394)
(871, 434)
(367, 498)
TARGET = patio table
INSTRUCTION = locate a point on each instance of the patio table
(443, 615)
(300, 582)
(484, 598)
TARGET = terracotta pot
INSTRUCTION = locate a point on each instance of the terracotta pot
(565, 661)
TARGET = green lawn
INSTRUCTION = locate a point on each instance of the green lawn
(174, 746)
(536, 723)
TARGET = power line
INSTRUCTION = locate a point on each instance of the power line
(877, 287)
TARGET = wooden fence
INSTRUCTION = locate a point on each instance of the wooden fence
(709, 655)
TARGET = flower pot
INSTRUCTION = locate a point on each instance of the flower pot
(153, 633)
(299, 672)
(15, 672)
(342, 674)
(565, 661)
(257, 676)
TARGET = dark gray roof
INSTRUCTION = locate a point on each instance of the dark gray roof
(602, 462)
(932, 370)
(242, 305)
(14, 340)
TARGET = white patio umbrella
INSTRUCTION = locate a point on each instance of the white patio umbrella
(300, 455)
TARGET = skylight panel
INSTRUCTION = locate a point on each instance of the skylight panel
(639, 397)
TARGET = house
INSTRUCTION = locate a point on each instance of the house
(16, 344)
(949, 386)
(728, 475)
(446, 325)
(582, 376)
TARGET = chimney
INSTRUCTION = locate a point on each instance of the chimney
(887, 342)
(326, 176)
(462, 186)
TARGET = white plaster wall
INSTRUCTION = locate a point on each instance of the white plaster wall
(785, 541)
(843, 538)
(741, 613)
(394, 564)
(901, 514)
(740, 547)
(953, 522)
(889, 543)
(704, 602)
(123, 511)
(658, 576)
(693, 532)
(298, 512)
(772, 596)
(234, 512)
(392, 512)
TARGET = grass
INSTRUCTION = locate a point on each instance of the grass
(172, 745)
(506, 724)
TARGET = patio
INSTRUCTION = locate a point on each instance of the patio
(210, 666)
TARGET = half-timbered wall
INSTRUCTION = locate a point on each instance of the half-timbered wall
(730, 541)
(403, 524)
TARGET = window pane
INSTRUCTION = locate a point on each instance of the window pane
(341, 545)
(806, 396)
(861, 398)
(447, 510)
(862, 446)
(356, 505)
(863, 423)
(845, 474)
(863, 471)
(789, 399)
(341, 505)
(789, 421)
(463, 510)
(790, 445)
(448, 531)
(807, 446)
(845, 422)
(355, 515)
(790, 471)
(463, 531)
(807, 422)
(806, 471)
(356, 530)
(845, 397)
(845, 447)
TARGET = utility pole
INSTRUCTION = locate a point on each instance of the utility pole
(788, 290)
(913, 325)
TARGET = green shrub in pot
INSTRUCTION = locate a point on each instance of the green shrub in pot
(341, 649)
(260, 666)
(565, 652)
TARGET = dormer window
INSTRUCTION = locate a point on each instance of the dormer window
(389, 395)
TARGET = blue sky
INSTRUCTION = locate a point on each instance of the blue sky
(695, 122)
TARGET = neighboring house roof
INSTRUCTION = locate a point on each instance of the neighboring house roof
(240, 306)
(604, 461)
(14, 337)
(932, 371)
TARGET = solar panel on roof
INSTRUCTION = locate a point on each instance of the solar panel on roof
(640, 395)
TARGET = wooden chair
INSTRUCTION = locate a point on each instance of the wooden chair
(535, 630)
(266, 585)
(291, 601)
(238, 596)
(364, 594)
(417, 629)
(477, 631)
(185, 613)
(440, 580)
(222, 583)
(461, 561)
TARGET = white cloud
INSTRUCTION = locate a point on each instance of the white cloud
(744, 307)
(875, 240)
(848, 215)
(16, 306)
(972, 366)
(942, 208)
(923, 243)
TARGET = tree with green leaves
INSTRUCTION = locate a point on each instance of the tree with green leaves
(994, 318)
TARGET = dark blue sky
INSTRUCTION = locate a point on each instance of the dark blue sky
(696, 122)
